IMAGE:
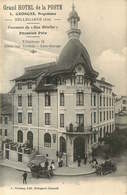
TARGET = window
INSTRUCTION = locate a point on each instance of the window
(19, 100)
(91, 100)
(20, 117)
(62, 144)
(107, 129)
(124, 102)
(47, 140)
(19, 157)
(6, 120)
(79, 79)
(47, 118)
(61, 99)
(29, 100)
(29, 118)
(80, 99)
(5, 133)
(94, 117)
(0, 131)
(110, 101)
(100, 100)
(80, 119)
(104, 115)
(19, 86)
(91, 118)
(124, 108)
(110, 128)
(100, 116)
(1, 120)
(107, 101)
(20, 136)
(103, 101)
(29, 85)
(61, 120)
(101, 132)
(107, 115)
(112, 114)
(95, 138)
(94, 100)
(47, 99)
(104, 132)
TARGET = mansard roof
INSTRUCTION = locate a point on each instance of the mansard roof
(72, 54)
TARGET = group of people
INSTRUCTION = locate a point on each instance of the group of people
(49, 166)
(79, 159)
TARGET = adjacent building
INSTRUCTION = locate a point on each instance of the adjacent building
(62, 106)
(121, 104)
(6, 118)
(121, 112)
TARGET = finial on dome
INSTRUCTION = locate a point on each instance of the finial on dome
(73, 19)
(73, 6)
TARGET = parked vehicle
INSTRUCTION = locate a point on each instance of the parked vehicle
(40, 172)
(105, 168)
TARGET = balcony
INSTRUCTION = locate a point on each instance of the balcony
(78, 130)
(20, 148)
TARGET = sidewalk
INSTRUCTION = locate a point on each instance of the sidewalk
(15, 165)
(74, 170)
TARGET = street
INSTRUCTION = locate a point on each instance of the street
(9, 176)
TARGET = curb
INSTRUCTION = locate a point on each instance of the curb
(73, 175)
(55, 174)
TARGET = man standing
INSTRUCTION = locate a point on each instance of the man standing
(79, 161)
(24, 177)
(85, 158)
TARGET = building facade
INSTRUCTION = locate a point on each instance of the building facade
(121, 104)
(62, 106)
(6, 118)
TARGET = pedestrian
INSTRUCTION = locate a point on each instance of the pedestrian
(79, 161)
(24, 177)
(47, 156)
(46, 164)
(53, 165)
(85, 158)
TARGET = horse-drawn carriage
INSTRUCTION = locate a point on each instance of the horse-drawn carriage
(41, 172)
(105, 168)
(38, 167)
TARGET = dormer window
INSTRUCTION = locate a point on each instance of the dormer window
(79, 79)
(19, 86)
(29, 85)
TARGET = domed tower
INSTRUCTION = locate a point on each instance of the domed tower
(73, 19)
(74, 52)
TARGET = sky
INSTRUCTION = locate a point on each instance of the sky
(104, 34)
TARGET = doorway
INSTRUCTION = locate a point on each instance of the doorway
(79, 147)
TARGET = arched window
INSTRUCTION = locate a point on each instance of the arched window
(30, 138)
(62, 144)
(104, 132)
(47, 140)
(101, 132)
(20, 136)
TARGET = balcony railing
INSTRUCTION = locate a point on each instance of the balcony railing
(21, 148)
(79, 128)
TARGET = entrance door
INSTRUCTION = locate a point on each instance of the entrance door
(30, 138)
(7, 154)
(62, 145)
(79, 147)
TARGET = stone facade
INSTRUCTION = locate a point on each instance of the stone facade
(62, 107)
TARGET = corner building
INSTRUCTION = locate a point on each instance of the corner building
(62, 106)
